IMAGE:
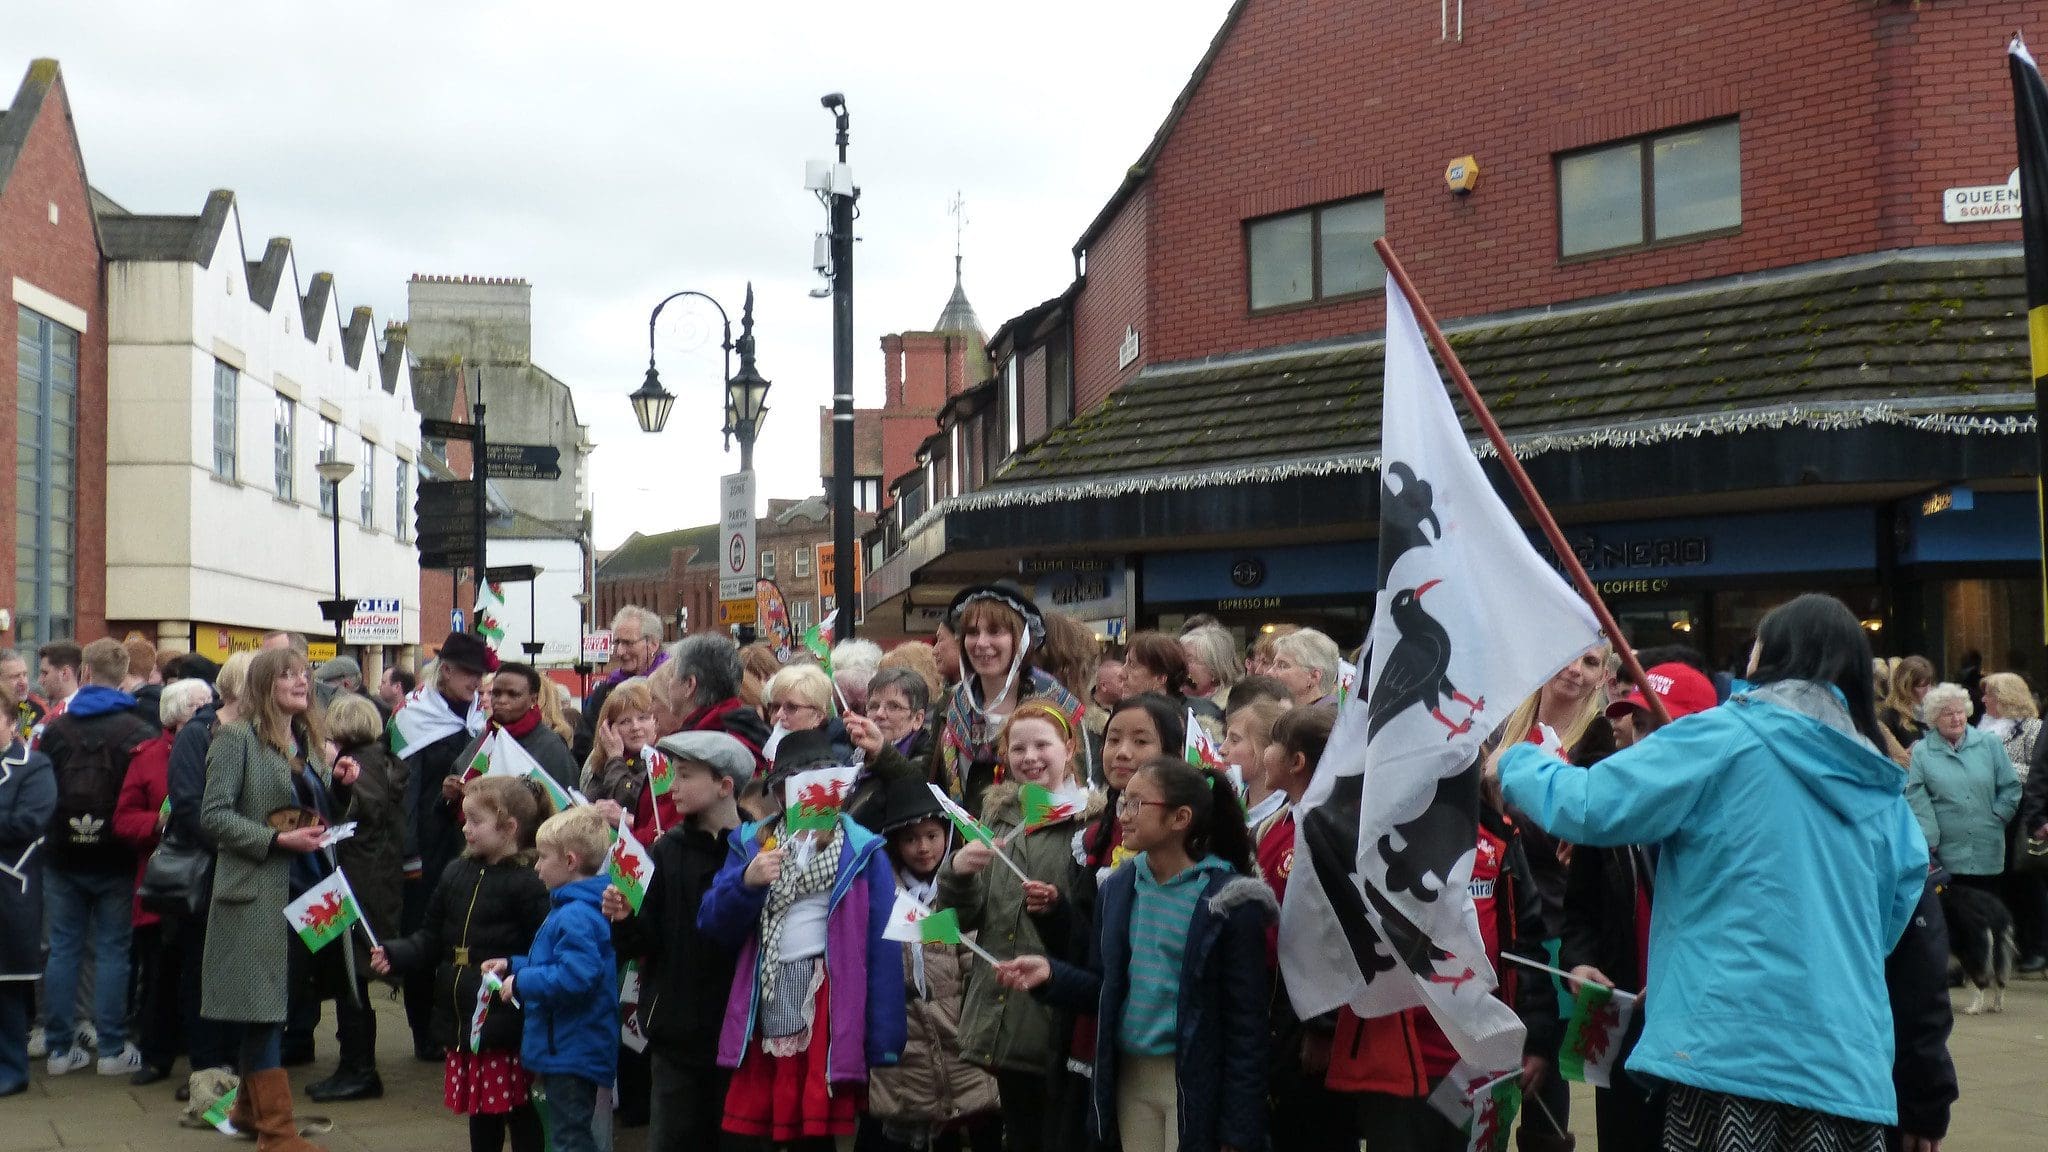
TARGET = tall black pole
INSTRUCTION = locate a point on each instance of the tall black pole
(480, 509)
(336, 506)
(842, 393)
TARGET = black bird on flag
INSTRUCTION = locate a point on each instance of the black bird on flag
(1418, 669)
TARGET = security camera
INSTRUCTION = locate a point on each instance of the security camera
(832, 101)
(821, 254)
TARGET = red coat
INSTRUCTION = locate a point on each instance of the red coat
(142, 801)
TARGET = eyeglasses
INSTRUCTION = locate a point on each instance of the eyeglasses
(1128, 805)
(791, 706)
(889, 708)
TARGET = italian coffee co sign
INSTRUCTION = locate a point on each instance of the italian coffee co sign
(1975, 203)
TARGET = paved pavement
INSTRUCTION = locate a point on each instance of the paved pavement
(2000, 1059)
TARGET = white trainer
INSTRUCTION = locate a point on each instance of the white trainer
(66, 1062)
(37, 1046)
(123, 1063)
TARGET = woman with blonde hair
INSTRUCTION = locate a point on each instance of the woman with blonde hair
(1899, 711)
(554, 710)
(2011, 715)
(269, 796)
(799, 698)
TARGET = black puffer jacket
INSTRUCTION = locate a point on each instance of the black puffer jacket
(478, 912)
(685, 977)
(1916, 978)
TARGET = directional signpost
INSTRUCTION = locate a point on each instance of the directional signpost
(447, 527)
(523, 462)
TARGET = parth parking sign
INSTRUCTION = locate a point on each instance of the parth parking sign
(736, 534)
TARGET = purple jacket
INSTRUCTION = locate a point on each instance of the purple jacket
(864, 972)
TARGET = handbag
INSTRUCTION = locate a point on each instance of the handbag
(2033, 856)
(177, 878)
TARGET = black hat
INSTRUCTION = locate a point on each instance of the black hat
(193, 666)
(1009, 596)
(467, 652)
(810, 748)
(906, 801)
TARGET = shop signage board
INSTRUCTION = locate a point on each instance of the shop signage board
(731, 612)
(377, 621)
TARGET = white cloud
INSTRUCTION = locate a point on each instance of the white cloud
(613, 152)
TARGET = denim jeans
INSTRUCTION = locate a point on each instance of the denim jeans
(572, 1114)
(76, 904)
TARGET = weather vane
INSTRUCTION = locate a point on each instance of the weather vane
(957, 209)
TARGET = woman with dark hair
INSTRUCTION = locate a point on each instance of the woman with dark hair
(1001, 631)
(1157, 663)
(1788, 864)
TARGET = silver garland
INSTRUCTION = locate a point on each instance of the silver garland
(1821, 417)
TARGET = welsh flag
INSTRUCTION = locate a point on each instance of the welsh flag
(217, 1115)
(814, 798)
(1493, 1115)
(1200, 750)
(1600, 1018)
(818, 638)
(970, 828)
(629, 1009)
(501, 755)
(660, 777)
(912, 923)
(480, 764)
(484, 992)
(490, 614)
(630, 865)
(424, 718)
(325, 913)
(1043, 806)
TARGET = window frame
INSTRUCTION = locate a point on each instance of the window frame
(230, 451)
(767, 563)
(800, 565)
(402, 524)
(284, 447)
(1646, 159)
(367, 493)
(1316, 298)
(43, 577)
(330, 449)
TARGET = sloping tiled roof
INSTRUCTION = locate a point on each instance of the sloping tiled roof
(1897, 337)
(649, 555)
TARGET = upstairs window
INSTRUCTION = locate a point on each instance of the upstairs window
(368, 492)
(802, 560)
(226, 383)
(330, 444)
(283, 416)
(1675, 185)
(768, 564)
(404, 504)
(1321, 253)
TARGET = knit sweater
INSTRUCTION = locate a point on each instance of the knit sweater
(1159, 939)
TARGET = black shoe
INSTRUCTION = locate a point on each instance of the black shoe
(295, 1055)
(427, 1052)
(347, 1084)
(2032, 964)
(149, 1074)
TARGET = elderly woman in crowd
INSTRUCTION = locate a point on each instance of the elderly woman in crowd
(1306, 661)
(1214, 667)
(896, 738)
(799, 700)
(269, 793)
(139, 819)
(1963, 789)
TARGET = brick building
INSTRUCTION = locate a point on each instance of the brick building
(53, 436)
(1712, 277)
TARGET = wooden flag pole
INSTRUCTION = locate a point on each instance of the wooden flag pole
(1531, 499)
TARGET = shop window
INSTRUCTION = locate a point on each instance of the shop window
(1322, 253)
(1651, 190)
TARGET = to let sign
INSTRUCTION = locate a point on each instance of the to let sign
(376, 622)
(736, 558)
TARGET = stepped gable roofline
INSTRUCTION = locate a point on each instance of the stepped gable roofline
(355, 334)
(1139, 172)
(316, 304)
(42, 77)
(170, 239)
(1926, 339)
(267, 276)
(392, 361)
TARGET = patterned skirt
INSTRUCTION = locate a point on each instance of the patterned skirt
(1698, 1120)
(784, 1098)
(484, 1083)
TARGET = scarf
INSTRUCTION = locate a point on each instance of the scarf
(621, 676)
(426, 718)
(814, 878)
(971, 732)
(519, 729)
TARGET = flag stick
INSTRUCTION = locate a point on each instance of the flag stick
(1531, 499)
(1528, 963)
(1545, 1109)
(970, 945)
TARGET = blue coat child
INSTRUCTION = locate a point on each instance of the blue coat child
(568, 985)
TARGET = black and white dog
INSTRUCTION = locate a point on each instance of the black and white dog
(1980, 942)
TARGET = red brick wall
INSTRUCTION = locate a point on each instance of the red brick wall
(1855, 115)
(1117, 296)
(64, 259)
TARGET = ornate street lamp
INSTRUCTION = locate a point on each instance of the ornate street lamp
(746, 394)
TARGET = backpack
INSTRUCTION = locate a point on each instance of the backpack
(95, 764)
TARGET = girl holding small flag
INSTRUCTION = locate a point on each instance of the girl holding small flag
(267, 790)
(1031, 818)
(489, 903)
(817, 996)
(1177, 972)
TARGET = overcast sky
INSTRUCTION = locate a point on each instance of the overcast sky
(611, 153)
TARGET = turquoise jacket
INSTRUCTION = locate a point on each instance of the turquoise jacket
(1963, 798)
(1788, 865)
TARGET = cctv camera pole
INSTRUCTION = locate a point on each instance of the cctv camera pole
(843, 196)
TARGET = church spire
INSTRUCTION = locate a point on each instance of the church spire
(959, 314)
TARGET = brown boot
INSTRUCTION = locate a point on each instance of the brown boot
(270, 1095)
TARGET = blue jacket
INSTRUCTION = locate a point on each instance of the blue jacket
(1963, 798)
(568, 985)
(867, 1025)
(1788, 866)
(1220, 1030)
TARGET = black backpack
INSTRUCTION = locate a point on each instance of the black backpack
(89, 777)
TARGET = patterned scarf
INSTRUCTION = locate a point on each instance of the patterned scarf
(970, 735)
(813, 879)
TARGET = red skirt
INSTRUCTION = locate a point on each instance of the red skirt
(787, 1097)
(484, 1083)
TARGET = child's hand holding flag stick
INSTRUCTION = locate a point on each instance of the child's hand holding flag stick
(974, 830)
(913, 923)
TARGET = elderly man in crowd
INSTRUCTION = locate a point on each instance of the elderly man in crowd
(636, 651)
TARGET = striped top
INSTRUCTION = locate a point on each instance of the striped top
(1160, 918)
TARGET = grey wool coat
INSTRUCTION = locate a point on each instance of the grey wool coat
(248, 942)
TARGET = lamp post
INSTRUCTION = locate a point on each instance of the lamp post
(840, 201)
(746, 393)
(332, 472)
(582, 630)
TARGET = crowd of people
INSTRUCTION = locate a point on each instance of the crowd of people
(1108, 976)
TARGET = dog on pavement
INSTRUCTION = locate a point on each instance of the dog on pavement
(1980, 943)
